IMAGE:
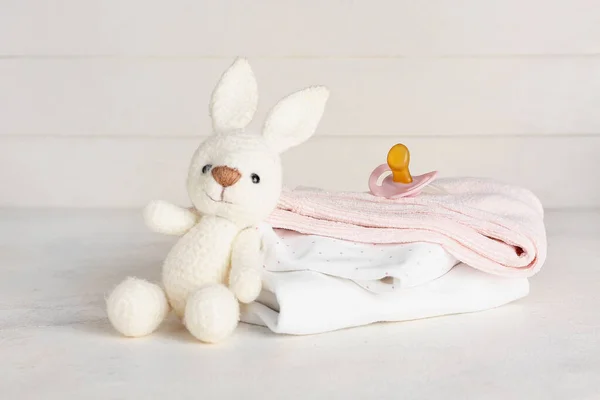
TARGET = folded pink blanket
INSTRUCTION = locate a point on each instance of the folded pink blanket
(494, 227)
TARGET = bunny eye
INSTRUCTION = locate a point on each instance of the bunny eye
(206, 168)
(255, 178)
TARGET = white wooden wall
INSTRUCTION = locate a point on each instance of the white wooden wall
(103, 102)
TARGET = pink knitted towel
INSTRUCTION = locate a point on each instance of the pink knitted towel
(494, 227)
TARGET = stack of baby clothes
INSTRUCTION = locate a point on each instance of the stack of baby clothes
(335, 260)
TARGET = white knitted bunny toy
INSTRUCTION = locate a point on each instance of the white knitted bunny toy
(234, 182)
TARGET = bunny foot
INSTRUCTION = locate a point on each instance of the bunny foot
(136, 307)
(212, 313)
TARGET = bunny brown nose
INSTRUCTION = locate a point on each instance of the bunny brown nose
(226, 176)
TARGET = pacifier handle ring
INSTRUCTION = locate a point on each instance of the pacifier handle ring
(375, 175)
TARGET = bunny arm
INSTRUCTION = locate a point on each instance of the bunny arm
(164, 217)
(246, 261)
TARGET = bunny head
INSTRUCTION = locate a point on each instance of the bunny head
(236, 174)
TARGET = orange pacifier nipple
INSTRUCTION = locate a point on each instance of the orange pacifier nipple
(398, 159)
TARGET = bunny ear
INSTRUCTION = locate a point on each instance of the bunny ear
(235, 98)
(295, 118)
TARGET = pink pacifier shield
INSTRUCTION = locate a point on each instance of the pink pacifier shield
(391, 189)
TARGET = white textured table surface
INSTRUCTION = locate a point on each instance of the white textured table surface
(55, 341)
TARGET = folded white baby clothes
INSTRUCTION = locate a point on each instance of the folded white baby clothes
(313, 284)
(376, 267)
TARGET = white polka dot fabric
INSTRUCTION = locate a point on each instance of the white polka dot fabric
(314, 284)
(375, 267)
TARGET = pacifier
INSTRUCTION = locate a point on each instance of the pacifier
(400, 183)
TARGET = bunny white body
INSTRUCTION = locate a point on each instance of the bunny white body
(234, 182)
(200, 258)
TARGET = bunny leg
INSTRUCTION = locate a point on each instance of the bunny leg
(136, 307)
(212, 313)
